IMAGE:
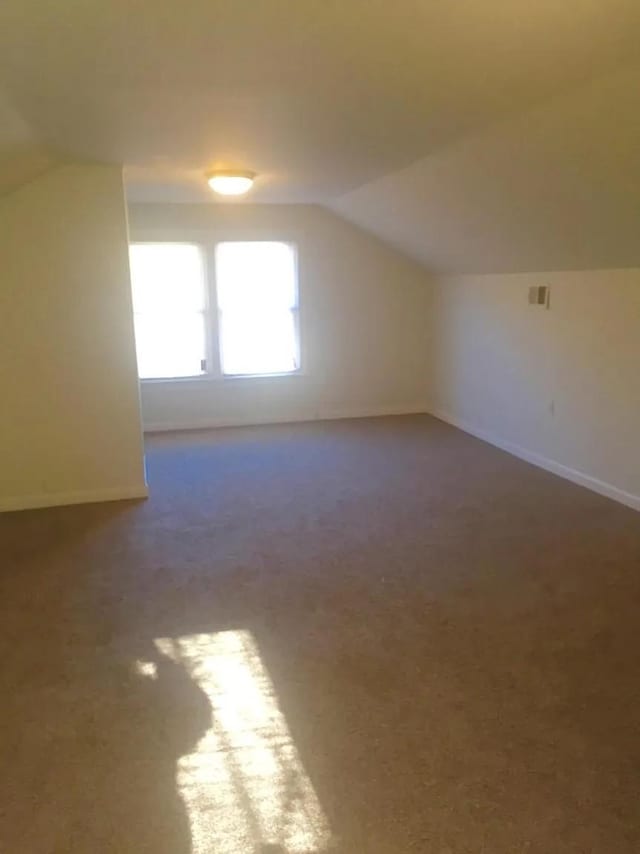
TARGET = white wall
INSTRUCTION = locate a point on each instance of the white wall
(560, 386)
(70, 418)
(362, 321)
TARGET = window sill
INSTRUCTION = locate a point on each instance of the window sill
(218, 378)
(280, 375)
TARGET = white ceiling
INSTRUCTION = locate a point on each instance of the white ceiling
(317, 96)
(22, 157)
(321, 97)
(555, 188)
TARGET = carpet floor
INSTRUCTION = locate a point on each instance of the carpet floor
(372, 637)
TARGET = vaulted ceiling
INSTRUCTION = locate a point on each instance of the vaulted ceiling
(22, 156)
(332, 101)
(554, 188)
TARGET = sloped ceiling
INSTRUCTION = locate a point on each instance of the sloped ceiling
(319, 97)
(324, 97)
(22, 157)
(555, 188)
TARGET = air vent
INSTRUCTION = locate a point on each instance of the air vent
(539, 295)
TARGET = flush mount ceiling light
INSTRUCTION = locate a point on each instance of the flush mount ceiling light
(230, 182)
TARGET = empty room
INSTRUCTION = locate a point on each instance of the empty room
(320, 427)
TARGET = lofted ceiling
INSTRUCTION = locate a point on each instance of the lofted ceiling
(22, 156)
(323, 98)
(554, 188)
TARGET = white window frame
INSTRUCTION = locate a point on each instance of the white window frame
(207, 246)
(295, 311)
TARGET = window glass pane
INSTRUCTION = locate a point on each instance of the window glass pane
(170, 346)
(167, 277)
(258, 275)
(169, 300)
(258, 343)
(257, 298)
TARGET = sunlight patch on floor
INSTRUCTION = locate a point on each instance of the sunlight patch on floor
(244, 786)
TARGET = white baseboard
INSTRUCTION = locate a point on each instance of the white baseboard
(211, 423)
(57, 499)
(578, 477)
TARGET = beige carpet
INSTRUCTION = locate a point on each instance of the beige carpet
(369, 636)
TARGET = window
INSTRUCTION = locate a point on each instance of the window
(257, 298)
(170, 309)
(257, 307)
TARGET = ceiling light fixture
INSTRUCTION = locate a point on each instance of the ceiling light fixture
(230, 182)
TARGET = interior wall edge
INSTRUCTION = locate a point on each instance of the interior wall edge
(257, 421)
(580, 478)
(59, 499)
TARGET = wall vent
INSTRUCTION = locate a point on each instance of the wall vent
(539, 295)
